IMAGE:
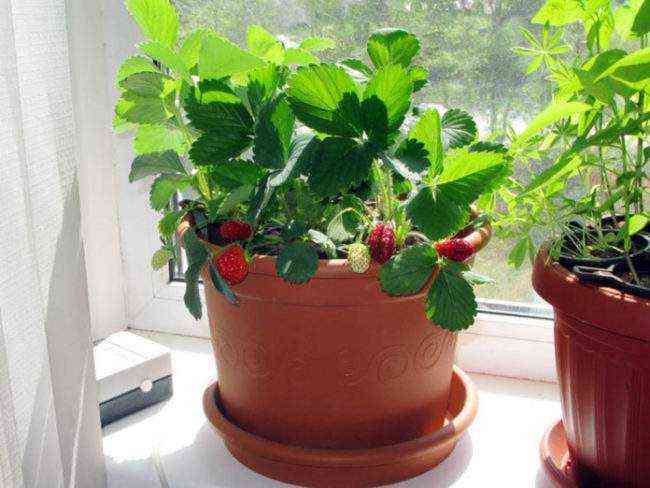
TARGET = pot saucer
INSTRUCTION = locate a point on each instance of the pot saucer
(348, 467)
(554, 452)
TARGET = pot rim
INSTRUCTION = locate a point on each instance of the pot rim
(595, 305)
(462, 390)
(264, 264)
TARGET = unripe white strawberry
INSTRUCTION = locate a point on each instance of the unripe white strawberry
(358, 257)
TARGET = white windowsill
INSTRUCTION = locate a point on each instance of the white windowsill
(174, 443)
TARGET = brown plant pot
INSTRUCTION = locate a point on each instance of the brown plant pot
(331, 364)
(602, 346)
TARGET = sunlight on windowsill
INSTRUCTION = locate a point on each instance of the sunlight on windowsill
(171, 444)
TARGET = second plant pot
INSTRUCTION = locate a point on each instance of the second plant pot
(602, 346)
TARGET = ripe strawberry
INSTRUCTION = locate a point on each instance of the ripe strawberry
(455, 249)
(235, 230)
(232, 265)
(358, 257)
(382, 243)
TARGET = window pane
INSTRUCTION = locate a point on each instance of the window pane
(467, 48)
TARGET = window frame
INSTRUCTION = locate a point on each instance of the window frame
(498, 343)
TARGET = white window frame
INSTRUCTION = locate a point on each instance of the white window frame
(499, 344)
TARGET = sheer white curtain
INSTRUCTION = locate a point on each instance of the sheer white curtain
(49, 429)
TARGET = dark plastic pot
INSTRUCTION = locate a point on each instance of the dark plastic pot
(611, 276)
(602, 346)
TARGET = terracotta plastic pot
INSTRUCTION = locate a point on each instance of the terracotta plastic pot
(602, 345)
(331, 364)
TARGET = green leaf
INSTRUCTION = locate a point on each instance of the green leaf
(262, 84)
(325, 98)
(407, 272)
(565, 165)
(473, 173)
(221, 285)
(133, 65)
(158, 138)
(235, 198)
(549, 116)
(147, 84)
(161, 258)
(216, 147)
(157, 19)
(235, 174)
(518, 253)
(295, 56)
(137, 109)
(297, 263)
(633, 69)
(392, 85)
(261, 198)
(273, 133)
(625, 17)
(263, 44)
(599, 63)
(324, 242)
(168, 225)
(374, 119)
(191, 48)
(641, 25)
(220, 58)
(165, 56)
(599, 90)
(458, 128)
(215, 107)
(154, 164)
(437, 216)
(317, 44)
(164, 187)
(301, 147)
(419, 77)
(339, 164)
(559, 12)
(477, 279)
(465, 177)
(635, 224)
(357, 66)
(392, 46)
(451, 303)
(345, 221)
(412, 154)
(427, 130)
(197, 256)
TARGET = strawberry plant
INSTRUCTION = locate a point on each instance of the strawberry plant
(278, 153)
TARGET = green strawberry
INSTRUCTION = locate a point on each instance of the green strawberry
(358, 257)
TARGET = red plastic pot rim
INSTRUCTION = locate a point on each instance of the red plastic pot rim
(597, 306)
(463, 407)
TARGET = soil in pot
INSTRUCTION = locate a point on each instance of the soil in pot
(583, 248)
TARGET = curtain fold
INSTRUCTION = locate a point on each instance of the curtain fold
(49, 428)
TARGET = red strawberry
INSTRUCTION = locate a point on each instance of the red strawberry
(235, 230)
(382, 243)
(455, 249)
(232, 265)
